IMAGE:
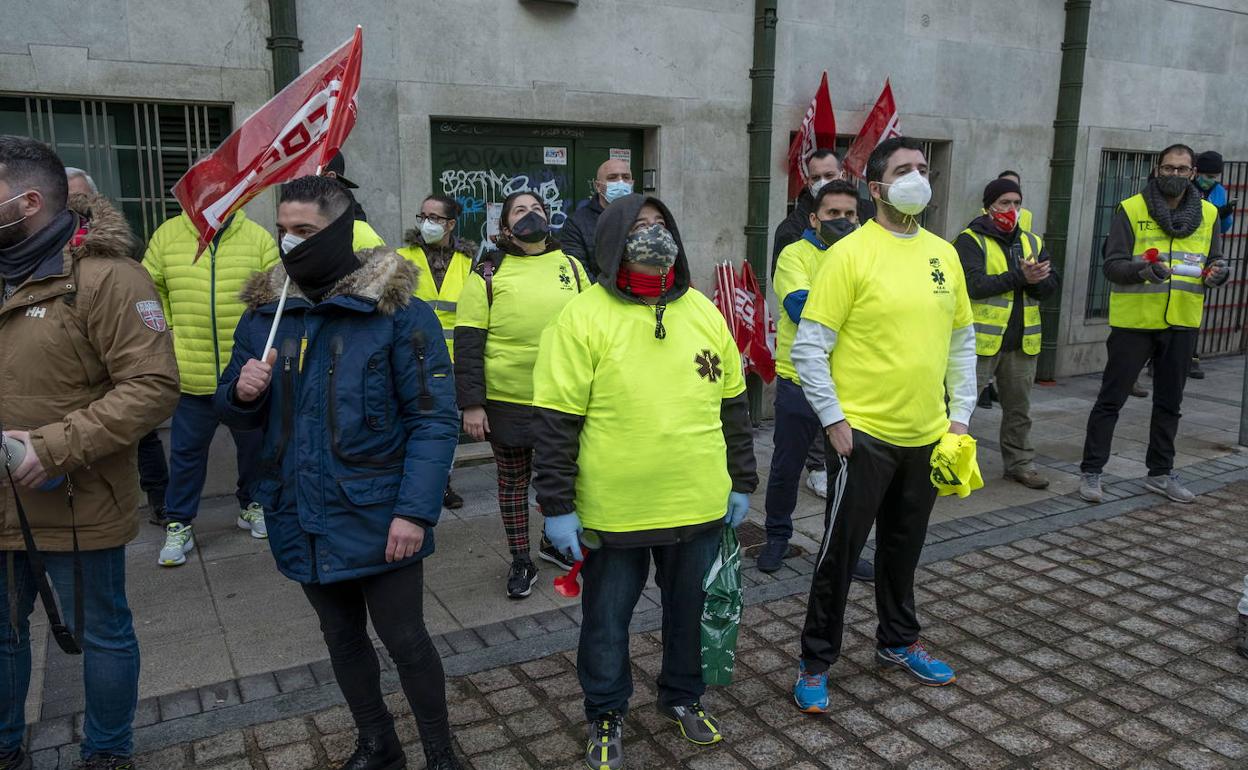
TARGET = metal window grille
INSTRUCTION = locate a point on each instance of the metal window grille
(134, 151)
(1226, 307)
(1123, 174)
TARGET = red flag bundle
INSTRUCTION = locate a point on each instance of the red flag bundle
(818, 130)
(744, 307)
(292, 135)
(882, 123)
(759, 354)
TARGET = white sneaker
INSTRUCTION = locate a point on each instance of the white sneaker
(179, 541)
(253, 518)
(818, 483)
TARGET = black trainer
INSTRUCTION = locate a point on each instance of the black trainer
(442, 759)
(521, 578)
(377, 752)
(695, 724)
(546, 550)
(451, 499)
(604, 750)
(158, 516)
(771, 557)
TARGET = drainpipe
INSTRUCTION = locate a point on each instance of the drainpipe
(1062, 173)
(284, 42)
(762, 81)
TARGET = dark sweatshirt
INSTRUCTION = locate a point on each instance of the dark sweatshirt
(981, 285)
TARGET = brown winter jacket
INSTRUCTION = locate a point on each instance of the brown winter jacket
(87, 367)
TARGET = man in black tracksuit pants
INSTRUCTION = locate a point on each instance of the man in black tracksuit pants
(1164, 249)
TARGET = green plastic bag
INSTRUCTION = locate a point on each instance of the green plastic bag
(721, 613)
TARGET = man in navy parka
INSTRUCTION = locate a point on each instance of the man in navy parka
(357, 405)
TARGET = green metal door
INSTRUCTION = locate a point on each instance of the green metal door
(480, 164)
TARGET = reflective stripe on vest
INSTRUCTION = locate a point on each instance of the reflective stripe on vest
(992, 314)
(1178, 301)
(444, 299)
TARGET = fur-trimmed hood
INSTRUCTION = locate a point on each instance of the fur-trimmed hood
(463, 245)
(109, 236)
(383, 278)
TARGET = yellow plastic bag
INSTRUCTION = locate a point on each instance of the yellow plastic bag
(955, 470)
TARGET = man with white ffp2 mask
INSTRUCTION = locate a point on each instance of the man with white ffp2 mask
(886, 331)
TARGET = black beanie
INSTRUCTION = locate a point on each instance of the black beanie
(998, 187)
(1209, 162)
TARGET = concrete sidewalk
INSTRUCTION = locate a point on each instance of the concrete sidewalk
(227, 616)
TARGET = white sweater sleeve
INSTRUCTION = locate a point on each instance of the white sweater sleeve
(811, 347)
(960, 375)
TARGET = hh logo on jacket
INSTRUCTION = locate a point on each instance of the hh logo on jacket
(36, 312)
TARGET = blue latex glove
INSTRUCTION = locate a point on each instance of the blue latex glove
(738, 507)
(562, 531)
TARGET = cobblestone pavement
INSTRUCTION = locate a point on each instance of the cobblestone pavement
(1103, 645)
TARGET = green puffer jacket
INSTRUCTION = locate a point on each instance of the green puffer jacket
(201, 298)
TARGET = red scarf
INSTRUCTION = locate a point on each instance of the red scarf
(641, 284)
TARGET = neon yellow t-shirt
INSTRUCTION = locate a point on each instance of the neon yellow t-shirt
(894, 303)
(795, 270)
(528, 293)
(652, 451)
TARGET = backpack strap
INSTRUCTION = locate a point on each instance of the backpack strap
(575, 272)
(487, 272)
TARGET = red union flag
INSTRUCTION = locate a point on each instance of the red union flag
(881, 124)
(744, 308)
(818, 130)
(292, 135)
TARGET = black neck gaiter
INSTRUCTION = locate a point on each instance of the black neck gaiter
(20, 260)
(324, 259)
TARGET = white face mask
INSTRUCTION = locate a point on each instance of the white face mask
(910, 194)
(432, 232)
(817, 185)
(290, 241)
(7, 225)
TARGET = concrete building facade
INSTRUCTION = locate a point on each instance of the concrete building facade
(667, 82)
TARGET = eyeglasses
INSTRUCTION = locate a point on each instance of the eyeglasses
(1168, 170)
(437, 220)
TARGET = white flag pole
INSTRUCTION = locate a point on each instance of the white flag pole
(277, 318)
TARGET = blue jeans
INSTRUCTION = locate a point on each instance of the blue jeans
(190, 437)
(613, 579)
(797, 426)
(110, 657)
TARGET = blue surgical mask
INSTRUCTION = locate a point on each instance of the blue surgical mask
(616, 190)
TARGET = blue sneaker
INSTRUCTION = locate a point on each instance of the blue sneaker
(918, 662)
(810, 693)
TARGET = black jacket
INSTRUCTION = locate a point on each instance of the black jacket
(790, 230)
(982, 285)
(577, 235)
(1119, 249)
(557, 434)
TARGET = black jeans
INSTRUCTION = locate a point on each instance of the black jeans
(614, 579)
(394, 602)
(1129, 349)
(888, 486)
(153, 470)
(797, 432)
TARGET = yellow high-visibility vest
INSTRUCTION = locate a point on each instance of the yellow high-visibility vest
(1178, 301)
(992, 314)
(443, 299)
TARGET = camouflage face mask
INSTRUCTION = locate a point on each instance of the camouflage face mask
(651, 245)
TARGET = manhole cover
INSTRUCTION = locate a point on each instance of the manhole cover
(752, 536)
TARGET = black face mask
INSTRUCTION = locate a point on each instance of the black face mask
(832, 230)
(1172, 186)
(531, 228)
(324, 259)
